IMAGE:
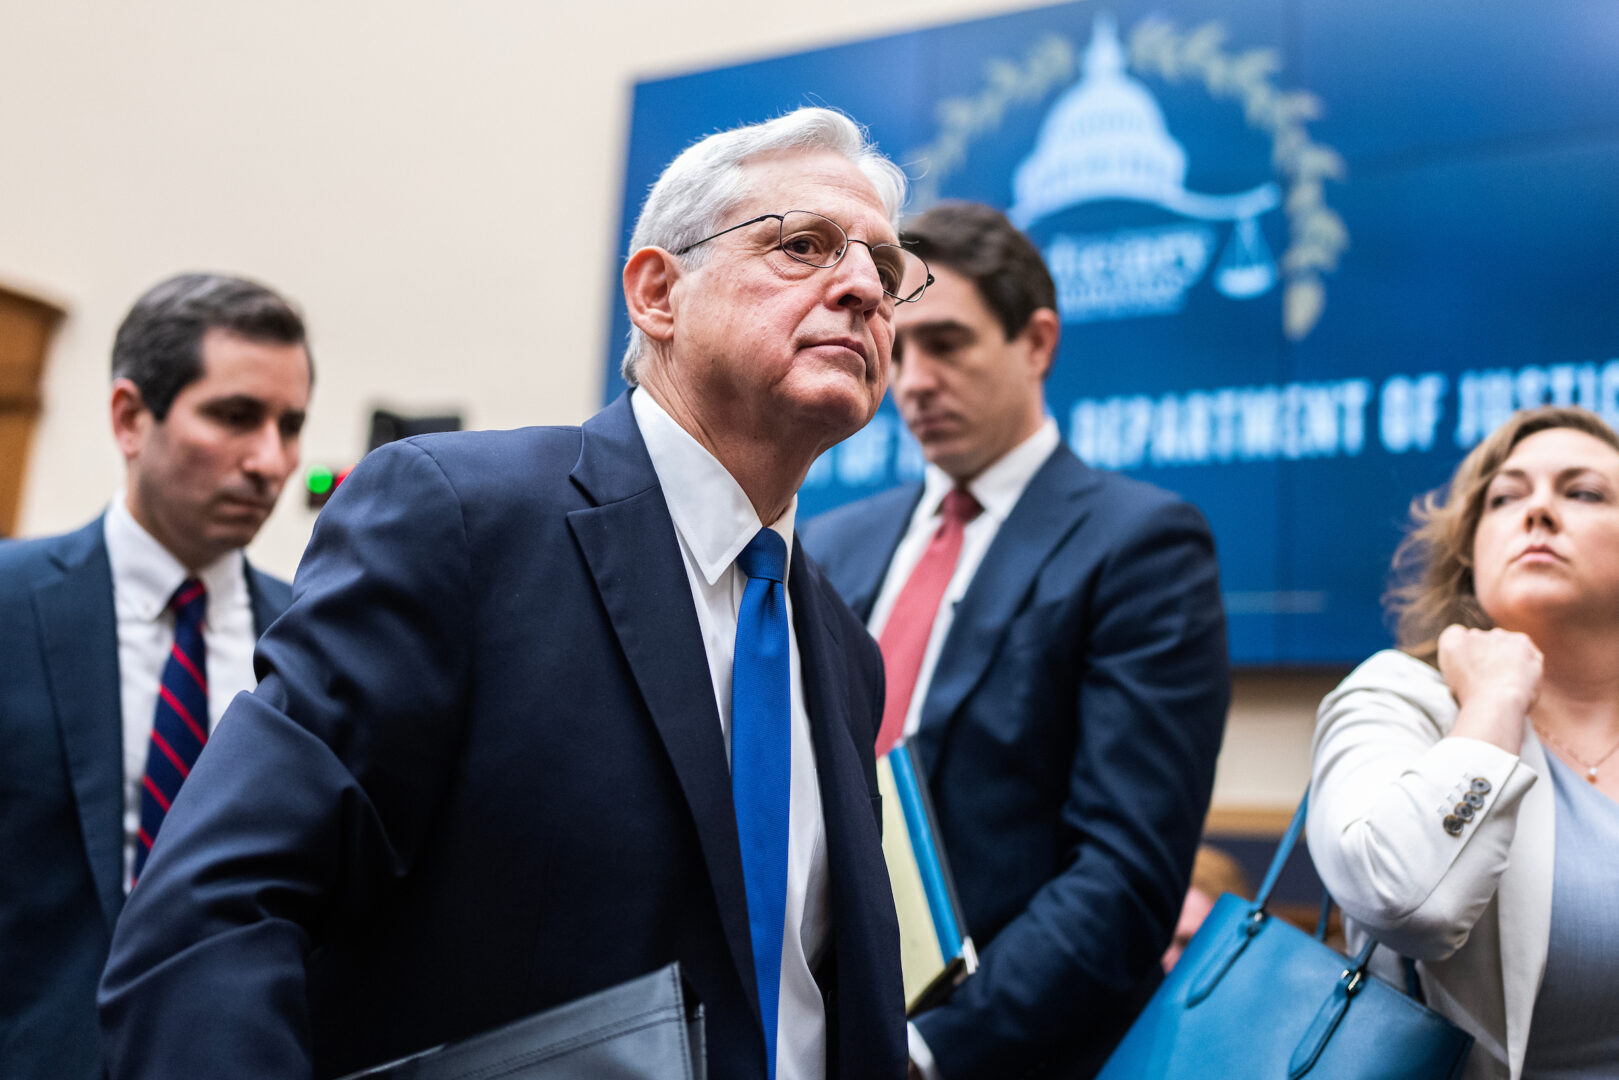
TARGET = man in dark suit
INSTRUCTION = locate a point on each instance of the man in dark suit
(1055, 647)
(516, 739)
(211, 378)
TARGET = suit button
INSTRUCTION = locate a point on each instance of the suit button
(1453, 825)
(1474, 799)
(1481, 785)
(1464, 811)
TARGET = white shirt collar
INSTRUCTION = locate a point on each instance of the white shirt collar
(711, 512)
(999, 487)
(145, 574)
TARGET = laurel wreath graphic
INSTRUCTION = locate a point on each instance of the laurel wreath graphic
(1050, 63)
(1317, 236)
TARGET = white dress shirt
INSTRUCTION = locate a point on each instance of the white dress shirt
(144, 578)
(997, 489)
(714, 520)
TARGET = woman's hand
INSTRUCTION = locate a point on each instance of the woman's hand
(1495, 678)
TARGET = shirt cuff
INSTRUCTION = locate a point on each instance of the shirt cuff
(920, 1054)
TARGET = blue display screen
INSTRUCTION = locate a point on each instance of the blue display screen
(1307, 253)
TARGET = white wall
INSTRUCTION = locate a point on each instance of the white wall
(1265, 761)
(437, 184)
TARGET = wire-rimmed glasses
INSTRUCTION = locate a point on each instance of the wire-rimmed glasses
(818, 241)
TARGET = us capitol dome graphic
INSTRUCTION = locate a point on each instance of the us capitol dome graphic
(1105, 138)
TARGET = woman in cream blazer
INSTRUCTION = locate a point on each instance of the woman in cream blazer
(1473, 910)
(1435, 816)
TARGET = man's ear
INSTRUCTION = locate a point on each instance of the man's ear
(649, 281)
(132, 421)
(1042, 331)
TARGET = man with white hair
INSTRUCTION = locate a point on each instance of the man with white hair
(554, 707)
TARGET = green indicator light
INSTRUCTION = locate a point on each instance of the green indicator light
(320, 480)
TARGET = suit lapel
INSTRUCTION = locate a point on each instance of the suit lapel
(867, 562)
(268, 597)
(629, 543)
(79, 632)
(1048, 510)
(852, 838)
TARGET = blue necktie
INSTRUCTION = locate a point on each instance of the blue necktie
(761, 761)
(180, 727)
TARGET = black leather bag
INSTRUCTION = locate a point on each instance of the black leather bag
(644, 1029)
(1254, 996)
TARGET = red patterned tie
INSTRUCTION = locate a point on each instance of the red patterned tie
(904, 639)
(180, 727)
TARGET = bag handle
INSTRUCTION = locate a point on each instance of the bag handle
(1330, 1014)
(1332, 1010)
(1284, 848)
(1226, 955)
(1222, 959)
(1413, 984)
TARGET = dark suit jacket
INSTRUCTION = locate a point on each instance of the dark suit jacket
(484, 774)
(1069, 736)
(62, 794)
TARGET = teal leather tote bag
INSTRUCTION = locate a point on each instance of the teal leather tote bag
(1256, 998)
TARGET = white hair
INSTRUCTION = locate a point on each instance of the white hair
(705, 183)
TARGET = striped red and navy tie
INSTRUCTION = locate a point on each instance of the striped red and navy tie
(180, 727)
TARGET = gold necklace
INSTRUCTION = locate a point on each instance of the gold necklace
(1591, 768)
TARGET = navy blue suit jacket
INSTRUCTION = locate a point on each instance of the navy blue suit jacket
(483, 774)
(1069, 736)
(62, 794)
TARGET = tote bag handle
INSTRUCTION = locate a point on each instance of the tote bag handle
(1353, 975)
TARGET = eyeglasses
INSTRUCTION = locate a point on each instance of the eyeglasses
(821, 242)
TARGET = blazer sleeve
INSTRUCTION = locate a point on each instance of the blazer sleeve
(1386, 773)
(313, 794)
(1149, 716)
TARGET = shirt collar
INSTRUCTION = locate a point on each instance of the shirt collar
(711, 512)
(145, 574)
(999, 487)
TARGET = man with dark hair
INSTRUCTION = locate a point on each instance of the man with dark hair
(555, 707)
(1055, 648)
(123, 641)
